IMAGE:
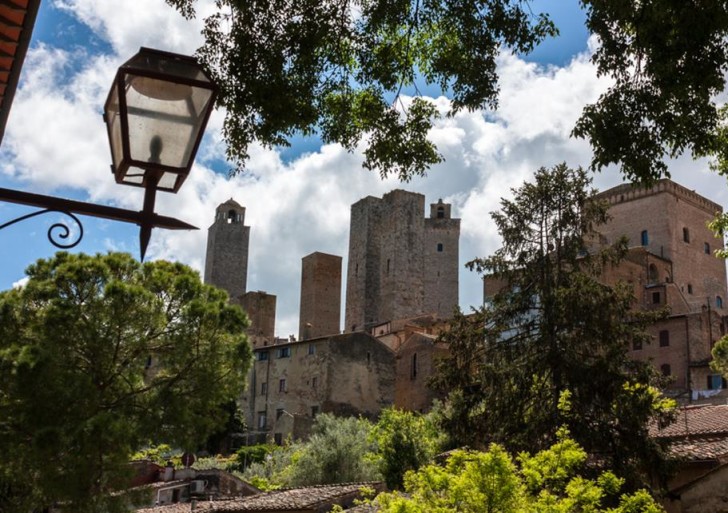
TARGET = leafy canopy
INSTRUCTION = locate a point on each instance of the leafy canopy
(552, 480)
(339, 66)
(550, 346)
(101, 356)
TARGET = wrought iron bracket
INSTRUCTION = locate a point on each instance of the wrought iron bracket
(146, 219)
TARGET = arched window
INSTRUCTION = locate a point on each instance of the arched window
(652, 270)
(719, 301)
(690, 288)
(706, 248)
(686, 235)
(645, 238)
(232, 216)
(440, 212)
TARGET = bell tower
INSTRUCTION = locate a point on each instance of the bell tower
(226, 262)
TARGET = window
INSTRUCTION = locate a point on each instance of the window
(718, 302)
(645, 238)
(149, 362)
(637, 345)
(262, 355)
(664, 338)
(388, 267)
(314, 382)
(656, 298)
(282, 385)
(262, 421)
(279, 413)
(440, 212)
(413, 367)
(706, 248)
(439, 247)
(369, 357)
(312, 349)
(686, 235)
(652, 270)
(690, 288)
(278, 438)
(716, 382)
(231, 216)
(314, 411)
(284, 352)
(263, 388)
(665, 369)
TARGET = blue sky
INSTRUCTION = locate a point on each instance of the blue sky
(297, 199)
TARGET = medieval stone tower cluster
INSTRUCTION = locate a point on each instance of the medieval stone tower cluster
(401, 265)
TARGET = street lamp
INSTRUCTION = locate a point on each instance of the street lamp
(155, 115)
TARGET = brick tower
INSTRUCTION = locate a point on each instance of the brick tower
(226, 262)
(320, 310)
(400, 264)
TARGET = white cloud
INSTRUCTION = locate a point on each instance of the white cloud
(56, 138)
(22, 282)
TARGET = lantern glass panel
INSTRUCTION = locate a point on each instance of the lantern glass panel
(164, 120)
(113, 120)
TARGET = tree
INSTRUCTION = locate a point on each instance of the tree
(338, 451)
(99, 357)
(550, 348)
(553, 480)
(405, 441)
(339, 66)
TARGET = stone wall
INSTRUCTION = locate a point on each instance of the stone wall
(350, 374)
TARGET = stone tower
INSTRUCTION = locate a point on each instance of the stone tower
(261, 309)
(442, 237)
(226, 262)
(320, 310)
(400, 265)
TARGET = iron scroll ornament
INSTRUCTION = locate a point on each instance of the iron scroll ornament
(56, 231)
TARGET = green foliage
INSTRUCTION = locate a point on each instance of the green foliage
(550, 481)
(552, 328)
(78, 394)
(720, 356)
(250, 454)
(668, 60)
(338, 451)
(405, 441)
(339, 67)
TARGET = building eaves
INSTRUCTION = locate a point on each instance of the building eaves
(17, 19)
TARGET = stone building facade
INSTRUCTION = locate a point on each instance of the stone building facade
(290, 383)
(400, 264)
(320, 308)
(671, 264)
(226, 262)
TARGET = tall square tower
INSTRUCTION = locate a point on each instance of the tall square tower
(320, 309)
(401, 265)
(226, 261)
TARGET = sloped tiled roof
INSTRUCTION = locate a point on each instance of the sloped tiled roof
(17, 18)
(696, 420)
(295, 499)
(699, 433)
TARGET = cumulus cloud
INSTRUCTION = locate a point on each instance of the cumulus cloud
(56, 138)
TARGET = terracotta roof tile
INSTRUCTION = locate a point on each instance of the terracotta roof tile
(281, 500)
(696, 420)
